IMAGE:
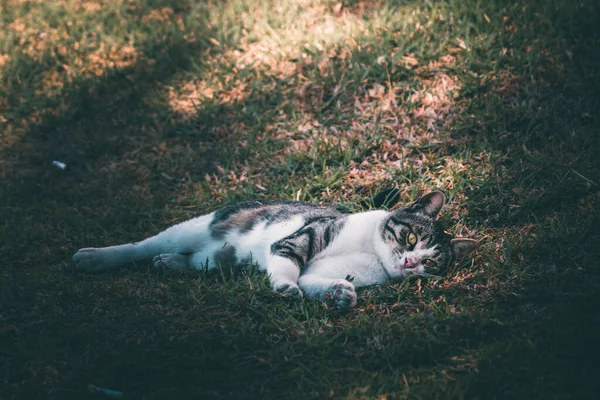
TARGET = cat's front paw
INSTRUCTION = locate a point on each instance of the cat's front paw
(343, 294)
(288, 289)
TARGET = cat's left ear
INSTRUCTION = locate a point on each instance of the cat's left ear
(385, 199)
(431, 204)
(464, 246)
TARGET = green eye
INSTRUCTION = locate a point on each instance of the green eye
(411, 239)
(429, 263)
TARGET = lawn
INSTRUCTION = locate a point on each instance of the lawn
(163, 110)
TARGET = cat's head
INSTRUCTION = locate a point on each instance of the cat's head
(414, 242)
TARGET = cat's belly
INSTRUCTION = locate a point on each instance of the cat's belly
(244, 248)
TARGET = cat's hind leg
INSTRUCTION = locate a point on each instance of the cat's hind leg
(172, 261)
(99, 259)
(186, 237)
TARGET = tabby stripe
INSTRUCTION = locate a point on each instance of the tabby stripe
(393, 232)
(327, 236)
(291, 255)
(428, 238)
(311, 239)
(311, 242)
(298, 258)
(399, 222)
(286, 246)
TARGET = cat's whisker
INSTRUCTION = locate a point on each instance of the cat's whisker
(430, 276)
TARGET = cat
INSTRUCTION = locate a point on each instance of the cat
(305, 249)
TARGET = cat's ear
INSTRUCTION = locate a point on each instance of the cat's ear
(385, 199)
(464, 246)
(431, 204)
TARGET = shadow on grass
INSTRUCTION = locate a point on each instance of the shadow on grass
(547, 135)
(128, 153)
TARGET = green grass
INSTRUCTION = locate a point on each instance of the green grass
(165, 110)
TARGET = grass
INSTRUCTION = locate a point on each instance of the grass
(164, 110)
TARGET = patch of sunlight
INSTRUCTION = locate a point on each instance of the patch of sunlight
(409, 115)
(278, 50)
(314, 30)
(104, 59)
(410, 118)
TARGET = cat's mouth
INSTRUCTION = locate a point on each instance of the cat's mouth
(403, 269)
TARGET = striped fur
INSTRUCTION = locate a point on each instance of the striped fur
(305, 248)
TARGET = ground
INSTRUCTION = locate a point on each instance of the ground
(162, 110)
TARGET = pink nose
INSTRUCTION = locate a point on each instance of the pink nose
(410, 262)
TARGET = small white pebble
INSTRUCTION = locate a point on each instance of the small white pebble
(108, 392)
(59, 164)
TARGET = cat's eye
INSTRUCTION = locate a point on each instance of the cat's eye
(429, 263)
(411, 239)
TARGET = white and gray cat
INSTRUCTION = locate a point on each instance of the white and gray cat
(305, 248)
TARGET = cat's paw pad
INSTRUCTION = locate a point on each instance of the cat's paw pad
(90, 260)
(343, 295)
(170, 260)
(288, 289)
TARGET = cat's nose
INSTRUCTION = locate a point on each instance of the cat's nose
(410, 262)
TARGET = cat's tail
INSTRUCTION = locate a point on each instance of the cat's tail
(184, 238)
